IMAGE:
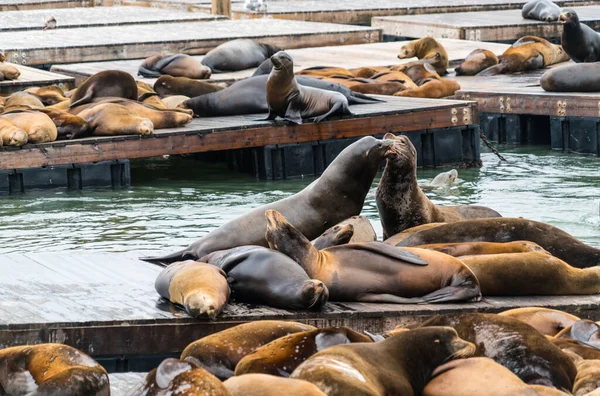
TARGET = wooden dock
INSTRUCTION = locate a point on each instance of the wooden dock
(105, 305)
(348, 56)
(17, 5)
(97, 16)
(39, 47)
(505, 25)
(31, 77)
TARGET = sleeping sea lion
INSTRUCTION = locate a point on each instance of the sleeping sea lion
(237, 55)
(22, 100)
(353, 230)
(428, 50)
(270, 385)
(579, 41)
(105, 83)
(10, 134)
(173, 101)
(434, 89)
(541, 10)
(580, 77)
(399, 237)
(476, 61)
(169, 85)
(479, 248)
(324, 71)
(38, 126)
(547, 321)
(588, 377)
(9, 72)
(68, 126)
(49, 95)
(176, 65)
(110, 119)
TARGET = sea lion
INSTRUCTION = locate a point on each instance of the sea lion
(10, 134)
(579, 41)
(580, 77)
(109, 119)
(588, 377)
(543, 390)
(475, 376)
(513, 344)
(527, 53)
(585, 332)
(9, 72)
(282, 356)
(169, 85)
(105, 83)
(68, 126)
(401, 202)
(375, 272)
(399, 237)
(442, 180)
(375, 87)
(38, 126)
(270, 385)
(552, 239)
(312, 210)
(399, 365)
(369, 71)
(22, 100)
(428, 50)
(573, 347)
(173, 101)
(237, 55)
(259, 275)
(479, 248)
(51, 369)
(541, 10)
(201, 288)
(334, 236)
(176, 65)
(293, 102)
(434, 89)
(324, 71)
(478, 60)
(419, 73)
(219, 353)
(49, 95)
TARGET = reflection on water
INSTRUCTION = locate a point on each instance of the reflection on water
(176, 201)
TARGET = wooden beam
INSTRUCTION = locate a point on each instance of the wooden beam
(221, 7)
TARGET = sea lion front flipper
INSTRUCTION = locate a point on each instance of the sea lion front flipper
(389, 250)
(293, 115)
(374, 337)
(327, 339)
(270, 117)
(452, 293)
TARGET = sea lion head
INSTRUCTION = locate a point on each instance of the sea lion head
(16, 138)
(446, 342)
(315, 294)
(282, 61)
(407, 51)
(200, 304)
(568, 16)
(168, 369)
(339, 234)
(2, 56)
(403, 154)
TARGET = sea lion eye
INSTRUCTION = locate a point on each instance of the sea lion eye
(437, 340)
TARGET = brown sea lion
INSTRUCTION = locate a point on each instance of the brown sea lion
(382, 88)
(543, 390)
(169, 85)
(375, 272)
(527, 53)
(109, 119)
(38, 126)
(105, 83)
(334, 236)
(585, 332)
(579, 41)
(345, 81)
(547, 321)
(399, 237)
(475, 376)
(49, 95)
(550, 238)
(434, 89)
(312, 210)
(476, 61)
(175, 100)
(69, 126)
(176, 65)
(294, 102)
(219, 353)
(399, 365)
(201, 288)
(588, 377)
(368, 72)
(325, 71)
(573, 347)
(428, 50)
(401, 202)
(153, 100)
(23, 100)
(389, 76)
(239, 54)
(10, 134)
(417, 72)
(513, 344)
(479, 248)
(9, 72)
(580, 77)
(282, 356)
(270, 385)
(51, 369)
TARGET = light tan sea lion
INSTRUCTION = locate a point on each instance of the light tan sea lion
(109, 119)
(10, 135)
(270, 385)
(38, 126)
(9, 72)
(547, 321)
(428, 50)
(476, 61)
(48, 95)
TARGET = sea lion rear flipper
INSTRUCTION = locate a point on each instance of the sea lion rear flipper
(338, 108)
(453, 293)
(390, 251)
(586, 332)
(293, 115)
(270, 117)
(184, 254)
(374, 337)
(359, 98)
(492, 70)
(86, 99)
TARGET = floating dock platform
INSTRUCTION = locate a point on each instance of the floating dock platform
(502, 26)
(31, 77)
(17, 5)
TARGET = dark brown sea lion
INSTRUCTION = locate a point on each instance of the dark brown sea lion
(10, 134)
(201, 288)
(38, 126)
(106, 83)
(541, 10)
(110, 119)
(588, 377)
(515, 345)
(176, 65)
(260, 275)
(51, 369)
(527, 53)
(9, 72)
(361, 230)
(477, 61)
(293, 102)
(550, 238)
(579, 41)
(580, 77)
(282, 356)
(479, 248)
(547, 321)
(270, 385)
(428, 50)
(312, 210)
(219, 353)
(237, 55)
(401, 202)
(399, 237)
(375, 87)
(434, 89)
(169, 85)
(375, 272)
(400, 365)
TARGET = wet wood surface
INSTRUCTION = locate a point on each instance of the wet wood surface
(505, 25)
(31, 77)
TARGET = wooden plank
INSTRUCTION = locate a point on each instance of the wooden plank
(31, 77)
(131, 42)
(225, 133)
(16, 5)
(505, 25)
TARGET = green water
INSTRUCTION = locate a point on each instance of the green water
(175, 201)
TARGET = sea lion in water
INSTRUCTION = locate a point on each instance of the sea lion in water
(270, 385)
(219, 353)
(106, 83)
(580, 77)
(579, 41)
(547, 321)
(428, 50)
(513, 344)
(527, 53)
(260, 275)
(38, 126)
(399, 365)
(240, 54)
(476, 61)
(479, 248)
(176, 65)
(293, 102)
(110, 119)
(51, 369)
(10, 135)
(375, 272)
(312, 210)
(169, 85)
(353, 230)
(442, 180)
(541, 10)
(201, 288)
(282, 356)
(401, 202)
(552, 239)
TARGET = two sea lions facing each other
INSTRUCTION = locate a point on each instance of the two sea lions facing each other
(176, 65)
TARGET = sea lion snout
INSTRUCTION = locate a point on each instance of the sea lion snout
(280, 59)
(316, 293)
(462, 348)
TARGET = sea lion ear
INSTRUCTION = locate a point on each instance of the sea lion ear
(329, 338)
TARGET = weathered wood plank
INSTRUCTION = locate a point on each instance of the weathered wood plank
(16, 5)
(31, 77)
